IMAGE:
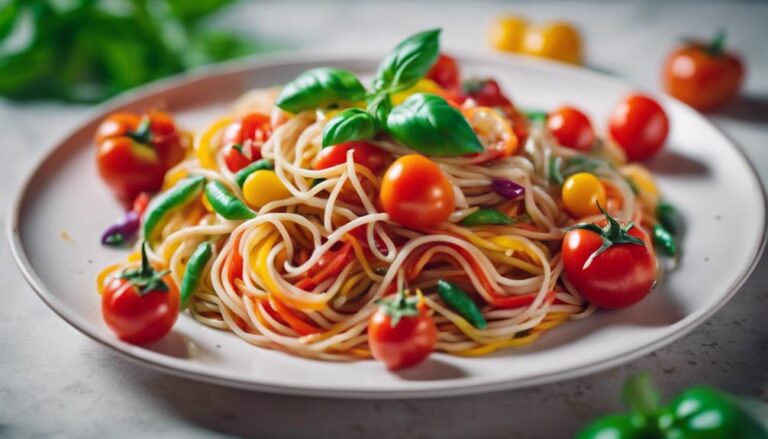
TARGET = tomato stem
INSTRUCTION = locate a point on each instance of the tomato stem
(399, 307)
(717, 45)
(613, 233)
(145, 278)
(143, 133)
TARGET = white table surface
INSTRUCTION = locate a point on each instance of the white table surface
(56, 382)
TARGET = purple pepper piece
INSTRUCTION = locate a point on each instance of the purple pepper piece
(122, 231)
(507, 188)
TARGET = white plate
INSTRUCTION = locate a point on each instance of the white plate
(62, 209)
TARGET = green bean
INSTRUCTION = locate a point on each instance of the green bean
(225, 203)
(191, 280)
(185, 191)
(457, 299)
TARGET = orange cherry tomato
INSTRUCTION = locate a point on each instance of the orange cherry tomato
(416, 193)
(571, 128)
(703, 75)
(640, 126)
(494, 132)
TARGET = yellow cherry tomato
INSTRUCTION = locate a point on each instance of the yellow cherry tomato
(559, 41)
(642, 179)
(263, 187)
(581, 193)
(506, 33)
(423, 86)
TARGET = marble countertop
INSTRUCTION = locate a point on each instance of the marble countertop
(56, 382)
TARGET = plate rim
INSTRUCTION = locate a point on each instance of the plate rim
(446, 389)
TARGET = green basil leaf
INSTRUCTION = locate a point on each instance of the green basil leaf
(409, 61)
(320, 87)
(380, 107)
(429, 124)
(351, 124)
(538, 117)
(484, 217)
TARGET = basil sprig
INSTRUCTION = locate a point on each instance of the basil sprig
(408, 62)
(429, 124)
(424, 122)
(320, 87)
(351, 124)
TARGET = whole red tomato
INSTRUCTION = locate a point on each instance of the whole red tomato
(703, 75)
(571, 128)
(135, 151)
(639, 125)
(615, 277)
(445, 72)
(416, 193)
(401, 333)
(140, 305)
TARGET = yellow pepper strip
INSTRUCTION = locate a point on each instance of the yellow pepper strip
(259, 264)
(203, 149)
(102, 276)
(493, 347)
(174, 177)
(517, 263)
(351, 283)
(423, 86)
(361, 256)
(133, 257)
(360, 352)
(511, 243)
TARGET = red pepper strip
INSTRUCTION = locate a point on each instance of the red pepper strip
(271, 311)
(298, 325)
(518, 301)
(329, 265)
(140, 203)
(235, 261)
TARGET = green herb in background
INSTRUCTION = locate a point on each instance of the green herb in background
(90, 50)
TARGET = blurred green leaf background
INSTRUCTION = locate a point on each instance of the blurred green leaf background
(90, 50)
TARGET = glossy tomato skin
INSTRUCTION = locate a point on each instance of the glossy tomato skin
(139, 319)
(130, 166)
(640, 126)
(445, 72)
(370, 156)
(620, 276)
(248, 133)
(702, 79)
(571, 128)
(416, 193)
(406, 344)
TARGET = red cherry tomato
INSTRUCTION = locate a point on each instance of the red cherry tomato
(139, 307)
(134, 152)
(416, 193)
(640, 126)
(703, 75)
(404, 344)
(571, 128)
(445, 72)
(618, 277)
(373, 158)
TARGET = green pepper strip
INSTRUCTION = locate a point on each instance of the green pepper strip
(225, 203)
(664, 240)
(185, 191)
(668, 217)
(462, 303)
(192, 273)
(487, 217)
(244, 173)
